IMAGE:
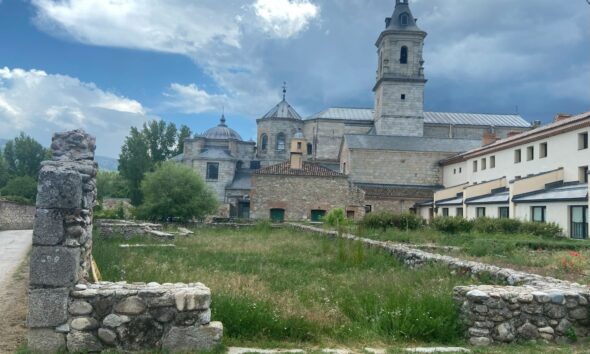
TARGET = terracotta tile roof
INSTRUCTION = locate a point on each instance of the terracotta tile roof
(562, 126)
(309, 169)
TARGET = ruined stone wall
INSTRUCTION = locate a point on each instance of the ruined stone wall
(66, 311)
(529, 307)
(15, 216)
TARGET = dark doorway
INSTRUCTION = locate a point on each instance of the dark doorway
(317, 215)
(277, 215)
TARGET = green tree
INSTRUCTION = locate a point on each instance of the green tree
(22, 186)
(134, 163)
(175, 190)
(4, 176)
(183, 133)
(161, 139)
(23, 156)
(111, 185)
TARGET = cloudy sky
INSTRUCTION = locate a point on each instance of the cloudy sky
(106, 65)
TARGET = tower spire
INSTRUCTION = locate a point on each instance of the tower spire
(222, 119)
(284, 89)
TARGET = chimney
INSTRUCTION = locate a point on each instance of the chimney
(297, 145)
(488, 138)
(561, 116)
(513, 133)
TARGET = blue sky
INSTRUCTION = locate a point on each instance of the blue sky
(106, 65)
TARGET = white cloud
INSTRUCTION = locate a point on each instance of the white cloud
(285, 18)
(41, 104)
(191, 99)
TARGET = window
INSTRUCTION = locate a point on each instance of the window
(368, 209)
(474, 166)
(403, 96)
(263, 142)
(460, 169)
(298, 146)
(503, 212)
(483, 164)
(579, 222)
(309, 149)
(403, 19)
(583, 174)
(530, 153)
(517, 156)
(492, 161)
(542, 150)
(254, 165)
(344, 167)
(582, 141)
(538, 213)
(403, 55)
(281, 142)
(480, 212)
(212, 171)
(445, 211)
(459, 212)
(454, 171)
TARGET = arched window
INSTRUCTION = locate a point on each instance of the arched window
(263, 142)
(281, 142)
(404, 19)
(403, 55)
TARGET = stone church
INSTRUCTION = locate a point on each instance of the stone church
(391, 152)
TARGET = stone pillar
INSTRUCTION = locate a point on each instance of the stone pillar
(62, 236)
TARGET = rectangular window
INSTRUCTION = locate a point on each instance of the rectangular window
(538, 213)
(460, 169)
(484, 164)
(475, 166)
(582, 141)
(503, 212)
(579, 222)
(530, 153)
(368, 209)
(403, 97)
(254, 165)
(480, 212)
(298, 146)
(454, 171)
(543, 150)
(492, 161)
(517, 156)
(460, 212)
(445, 211)
(583, 174)
(212, 171)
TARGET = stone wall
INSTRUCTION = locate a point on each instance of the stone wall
(299, 195)
(66, 311)
(15, 216)
(530, 307)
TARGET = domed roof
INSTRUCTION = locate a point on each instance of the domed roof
(222, 132)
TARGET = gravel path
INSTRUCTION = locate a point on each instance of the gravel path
(14, 245)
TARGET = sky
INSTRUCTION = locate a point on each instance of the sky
(107, 65)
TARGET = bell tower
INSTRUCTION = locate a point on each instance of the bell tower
(399, 89)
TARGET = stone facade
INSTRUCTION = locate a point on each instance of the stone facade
(299, 195)
(16, 216)
(272, 127)
(66, 312)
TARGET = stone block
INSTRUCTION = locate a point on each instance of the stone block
(54, 266)
(84, 323)
(130, 306)
(48, 307)
(73, 145)
(114, 321)
(194, 338)
(107, 336)
(79, 307)
(83, 342)
(49, 227)
(59, 188)
(44, 340)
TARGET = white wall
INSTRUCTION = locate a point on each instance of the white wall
(452, 210)
(555, 212)
(491, 210)
(455, 174)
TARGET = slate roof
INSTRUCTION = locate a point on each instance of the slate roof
(409, 143)
(565, 192)
(446, 118)
(454, 201)
(309, 169)
(215, 154)
(282, 110)
(242, 180)
(495, 198)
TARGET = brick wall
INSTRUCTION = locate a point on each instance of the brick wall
(14, 216)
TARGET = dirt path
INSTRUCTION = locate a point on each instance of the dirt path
(13, 309)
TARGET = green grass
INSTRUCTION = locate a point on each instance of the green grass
(287, 288)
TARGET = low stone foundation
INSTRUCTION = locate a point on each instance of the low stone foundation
(16, 216)
(66, 311)
(129, 229)
(539, 308)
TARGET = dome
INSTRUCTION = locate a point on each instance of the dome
(222, 132)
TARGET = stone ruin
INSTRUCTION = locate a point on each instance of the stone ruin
(69, 312)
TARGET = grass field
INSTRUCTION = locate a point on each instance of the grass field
(561, 258)
(280, 286)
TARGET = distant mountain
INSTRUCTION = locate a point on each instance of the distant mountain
(107, 163)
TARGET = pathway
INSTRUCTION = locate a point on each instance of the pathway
(14, 245)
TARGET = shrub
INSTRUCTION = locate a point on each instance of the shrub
(116, 214)
(336, 217)
(541, 229)
(24, 187)
(384, 220)
(452, 225)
